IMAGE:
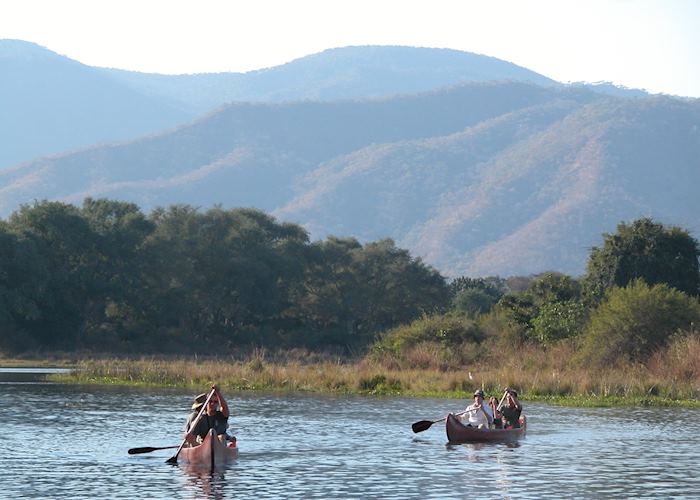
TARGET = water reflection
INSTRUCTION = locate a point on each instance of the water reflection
(481, 446)
(205, 483)
(468, 446)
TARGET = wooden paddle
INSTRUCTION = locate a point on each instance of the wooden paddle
(424, 425)
(148, 449)
(500, 405)
(173, 459)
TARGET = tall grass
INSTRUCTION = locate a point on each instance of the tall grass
(671, 377)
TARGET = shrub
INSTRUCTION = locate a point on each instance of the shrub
(559, 320)
(635, 320)
(448, 330)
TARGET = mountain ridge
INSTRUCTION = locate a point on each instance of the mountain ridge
(477, 178)
(484, 178)
(52, 103)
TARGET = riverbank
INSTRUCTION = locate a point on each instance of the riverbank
(632, 386)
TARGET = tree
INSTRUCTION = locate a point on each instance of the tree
(68, 247)
(646, 250)
(395, 287)
(107, 276)
(22, 277)
(553, 287)
(331, 290)
(476, 296)
(223, 275)
(516, 311)
(492, 285)
(546, 311)
(356, 291)
(473, 301)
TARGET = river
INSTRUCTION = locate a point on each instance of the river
(64, 441)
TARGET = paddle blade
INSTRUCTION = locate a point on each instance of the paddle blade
(172, 460)
(143, 449)
(148, 449)
(421, 426)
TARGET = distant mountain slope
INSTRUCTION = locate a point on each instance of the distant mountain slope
(51, 103)
(521, 193)
(509, 173)
(340, 73)
(204, 162)
(500, 178)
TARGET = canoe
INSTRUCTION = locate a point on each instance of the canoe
(457, 432)
(211, 453)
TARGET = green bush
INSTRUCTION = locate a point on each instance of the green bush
(473, 301)
(559, 320)
(448, 330)
(633, 321)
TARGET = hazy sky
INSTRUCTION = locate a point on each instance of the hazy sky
(649, 44)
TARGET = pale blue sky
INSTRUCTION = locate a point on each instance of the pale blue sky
(649, 44)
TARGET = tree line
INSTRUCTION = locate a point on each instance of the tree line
(107, 277)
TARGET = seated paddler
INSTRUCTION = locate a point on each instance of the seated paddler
(478, 414)
(511, 410)
(215, 416)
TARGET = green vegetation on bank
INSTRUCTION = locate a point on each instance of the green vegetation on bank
(539, 375)
(228, 285)
(106, 277)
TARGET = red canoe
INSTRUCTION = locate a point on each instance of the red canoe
(457, 432)
(211, 453)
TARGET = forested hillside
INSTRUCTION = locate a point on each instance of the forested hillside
(527, 191)
(52, 104)
(497, 178)
(507, 174)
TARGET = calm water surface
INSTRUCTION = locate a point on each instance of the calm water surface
(72, 442)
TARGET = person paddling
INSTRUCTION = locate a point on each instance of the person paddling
(215, 417)
(478, 414)
(511, 410)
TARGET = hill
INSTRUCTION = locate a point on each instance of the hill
(498, 178)
(51, 104)
(340, 73)
(527, 191)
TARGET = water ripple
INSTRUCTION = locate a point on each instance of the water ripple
(71, 442)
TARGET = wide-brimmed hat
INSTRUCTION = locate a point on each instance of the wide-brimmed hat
(479, 392)
(199, 401)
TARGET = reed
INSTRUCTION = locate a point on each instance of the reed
(671, 378)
